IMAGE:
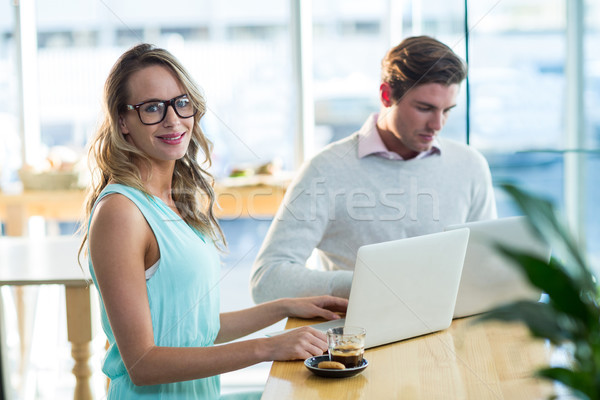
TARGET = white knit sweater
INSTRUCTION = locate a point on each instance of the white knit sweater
(339, 202)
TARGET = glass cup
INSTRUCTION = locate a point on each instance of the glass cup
(346, 345)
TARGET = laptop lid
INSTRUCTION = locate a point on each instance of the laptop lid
(489, 279)
(406, 288)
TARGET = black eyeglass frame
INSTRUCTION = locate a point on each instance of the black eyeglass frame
(167, 103)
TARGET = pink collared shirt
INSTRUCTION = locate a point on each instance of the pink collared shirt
(369, 142)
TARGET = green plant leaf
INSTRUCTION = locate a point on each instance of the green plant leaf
(541, 319)
(579, 382)
(552, 279)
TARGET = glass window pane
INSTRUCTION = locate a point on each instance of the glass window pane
(517, 74)
(349, 41)
(10, 145)
(444, 20)
(517, 53)
(592, 115)
(240, 57)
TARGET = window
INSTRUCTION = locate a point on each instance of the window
(517, 81)
(241, 60)
(10, 150)
(349, 41)
(591, 69)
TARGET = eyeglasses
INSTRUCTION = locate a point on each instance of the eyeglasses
(154, 111)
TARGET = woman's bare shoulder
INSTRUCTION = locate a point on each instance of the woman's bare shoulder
(117, 211)
(119, 235)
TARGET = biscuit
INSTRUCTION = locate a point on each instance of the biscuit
(331, 365)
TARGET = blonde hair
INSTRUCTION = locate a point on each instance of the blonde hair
(112, 158)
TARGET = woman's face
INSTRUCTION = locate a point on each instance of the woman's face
(169, 139)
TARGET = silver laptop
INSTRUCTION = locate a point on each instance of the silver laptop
(489, 279)
(405, 288)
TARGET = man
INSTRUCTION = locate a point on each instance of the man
(394, 178)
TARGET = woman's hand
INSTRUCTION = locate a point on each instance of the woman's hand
(236, 324)
(327, 307)
(297, 344)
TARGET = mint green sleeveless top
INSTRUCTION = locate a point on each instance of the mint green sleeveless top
(184, 300)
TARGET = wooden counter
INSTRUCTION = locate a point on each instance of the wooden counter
(466, 361)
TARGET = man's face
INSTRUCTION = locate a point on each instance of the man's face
(409, 125)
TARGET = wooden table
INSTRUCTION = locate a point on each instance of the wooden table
(52, 261)
(466, 361)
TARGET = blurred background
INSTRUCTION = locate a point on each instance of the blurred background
(284, 78)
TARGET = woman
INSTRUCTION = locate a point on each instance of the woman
(152, 242)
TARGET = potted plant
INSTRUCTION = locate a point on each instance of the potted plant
(570, 318)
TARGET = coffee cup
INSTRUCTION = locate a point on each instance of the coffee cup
(346, 345)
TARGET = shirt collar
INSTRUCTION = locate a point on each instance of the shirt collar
(370, 143)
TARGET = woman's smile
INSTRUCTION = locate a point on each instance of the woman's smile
(172, 138)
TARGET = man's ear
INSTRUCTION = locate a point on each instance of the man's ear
(385, 94)
(123, 126)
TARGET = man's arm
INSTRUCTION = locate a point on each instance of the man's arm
(483, 206)
(280, 268)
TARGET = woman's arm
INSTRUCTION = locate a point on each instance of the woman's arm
(120, 241)
(237, 324)
(173, 364)
(122, 245)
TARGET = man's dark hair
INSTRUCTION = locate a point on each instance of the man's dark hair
(419, 60)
